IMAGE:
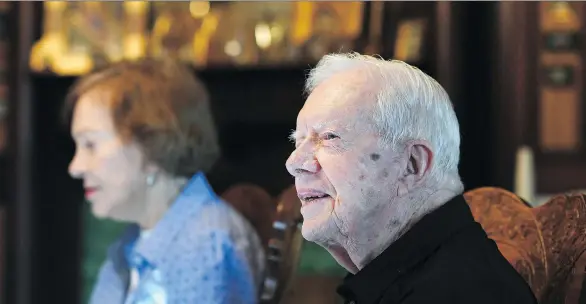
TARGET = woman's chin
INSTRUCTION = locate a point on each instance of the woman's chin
(100, 211)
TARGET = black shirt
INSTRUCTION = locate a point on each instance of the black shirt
(445, 258)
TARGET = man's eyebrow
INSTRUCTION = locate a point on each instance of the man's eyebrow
(293, 136)
(334, 122)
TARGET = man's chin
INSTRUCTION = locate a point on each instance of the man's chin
(313, 232)
(308, 232)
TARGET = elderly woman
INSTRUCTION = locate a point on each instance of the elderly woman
(144, 137)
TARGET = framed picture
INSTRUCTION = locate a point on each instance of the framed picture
(77, 36)
(409, 41)
(561, 41)
(560, 16)
(182, 30)
(324, 27)
(558, 76)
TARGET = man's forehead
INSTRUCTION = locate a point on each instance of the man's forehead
(324, 113)
(345, 91)
(336, 121)
(338, 101)
(337, 90)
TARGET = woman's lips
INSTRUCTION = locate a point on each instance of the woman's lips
(90, 191)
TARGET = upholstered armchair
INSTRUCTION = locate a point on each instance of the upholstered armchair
(545, 244)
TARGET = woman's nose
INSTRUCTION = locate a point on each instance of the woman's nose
(76, 168)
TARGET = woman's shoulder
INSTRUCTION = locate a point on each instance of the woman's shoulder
(221, 229)
(220, 217)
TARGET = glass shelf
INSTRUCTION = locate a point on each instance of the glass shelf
(80, 36)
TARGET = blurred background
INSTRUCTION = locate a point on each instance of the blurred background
(514, 70)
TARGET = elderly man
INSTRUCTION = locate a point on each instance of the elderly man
(376, 170)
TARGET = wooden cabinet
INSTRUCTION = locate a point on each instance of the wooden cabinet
(540, 90)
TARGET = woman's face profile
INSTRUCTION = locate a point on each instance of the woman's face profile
(112, 169)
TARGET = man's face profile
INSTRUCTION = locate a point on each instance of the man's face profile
(343, 176)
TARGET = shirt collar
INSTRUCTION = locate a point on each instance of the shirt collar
(196, 193)
(370, 283)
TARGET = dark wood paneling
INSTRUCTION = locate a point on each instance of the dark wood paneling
(510, 101)
(560, 174)
(20, 152)
(555, 171)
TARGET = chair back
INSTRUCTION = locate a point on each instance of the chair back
(545, 244)
(256, 205)
(284, 247)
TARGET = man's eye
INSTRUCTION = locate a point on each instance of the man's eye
(330, 136)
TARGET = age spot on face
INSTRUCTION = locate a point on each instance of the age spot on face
(374, 156)
(385, 173)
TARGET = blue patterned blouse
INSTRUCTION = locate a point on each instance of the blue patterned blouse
(202, 251)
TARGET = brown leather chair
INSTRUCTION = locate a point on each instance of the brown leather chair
(545, 244)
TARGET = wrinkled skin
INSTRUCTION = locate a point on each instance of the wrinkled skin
(374, 191)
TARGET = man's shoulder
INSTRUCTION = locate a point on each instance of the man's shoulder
(471, 266)
(473, 289)
(470, 255)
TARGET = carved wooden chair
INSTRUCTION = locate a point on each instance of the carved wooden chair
(545, 244)
(284, 247)
(256, 205)
(278, 225)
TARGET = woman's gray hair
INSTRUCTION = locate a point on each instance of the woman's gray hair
(162, 106)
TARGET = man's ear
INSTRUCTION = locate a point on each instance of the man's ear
(419, 160)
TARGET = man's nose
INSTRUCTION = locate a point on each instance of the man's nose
(300, 162)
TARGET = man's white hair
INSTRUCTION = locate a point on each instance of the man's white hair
(410, 105)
